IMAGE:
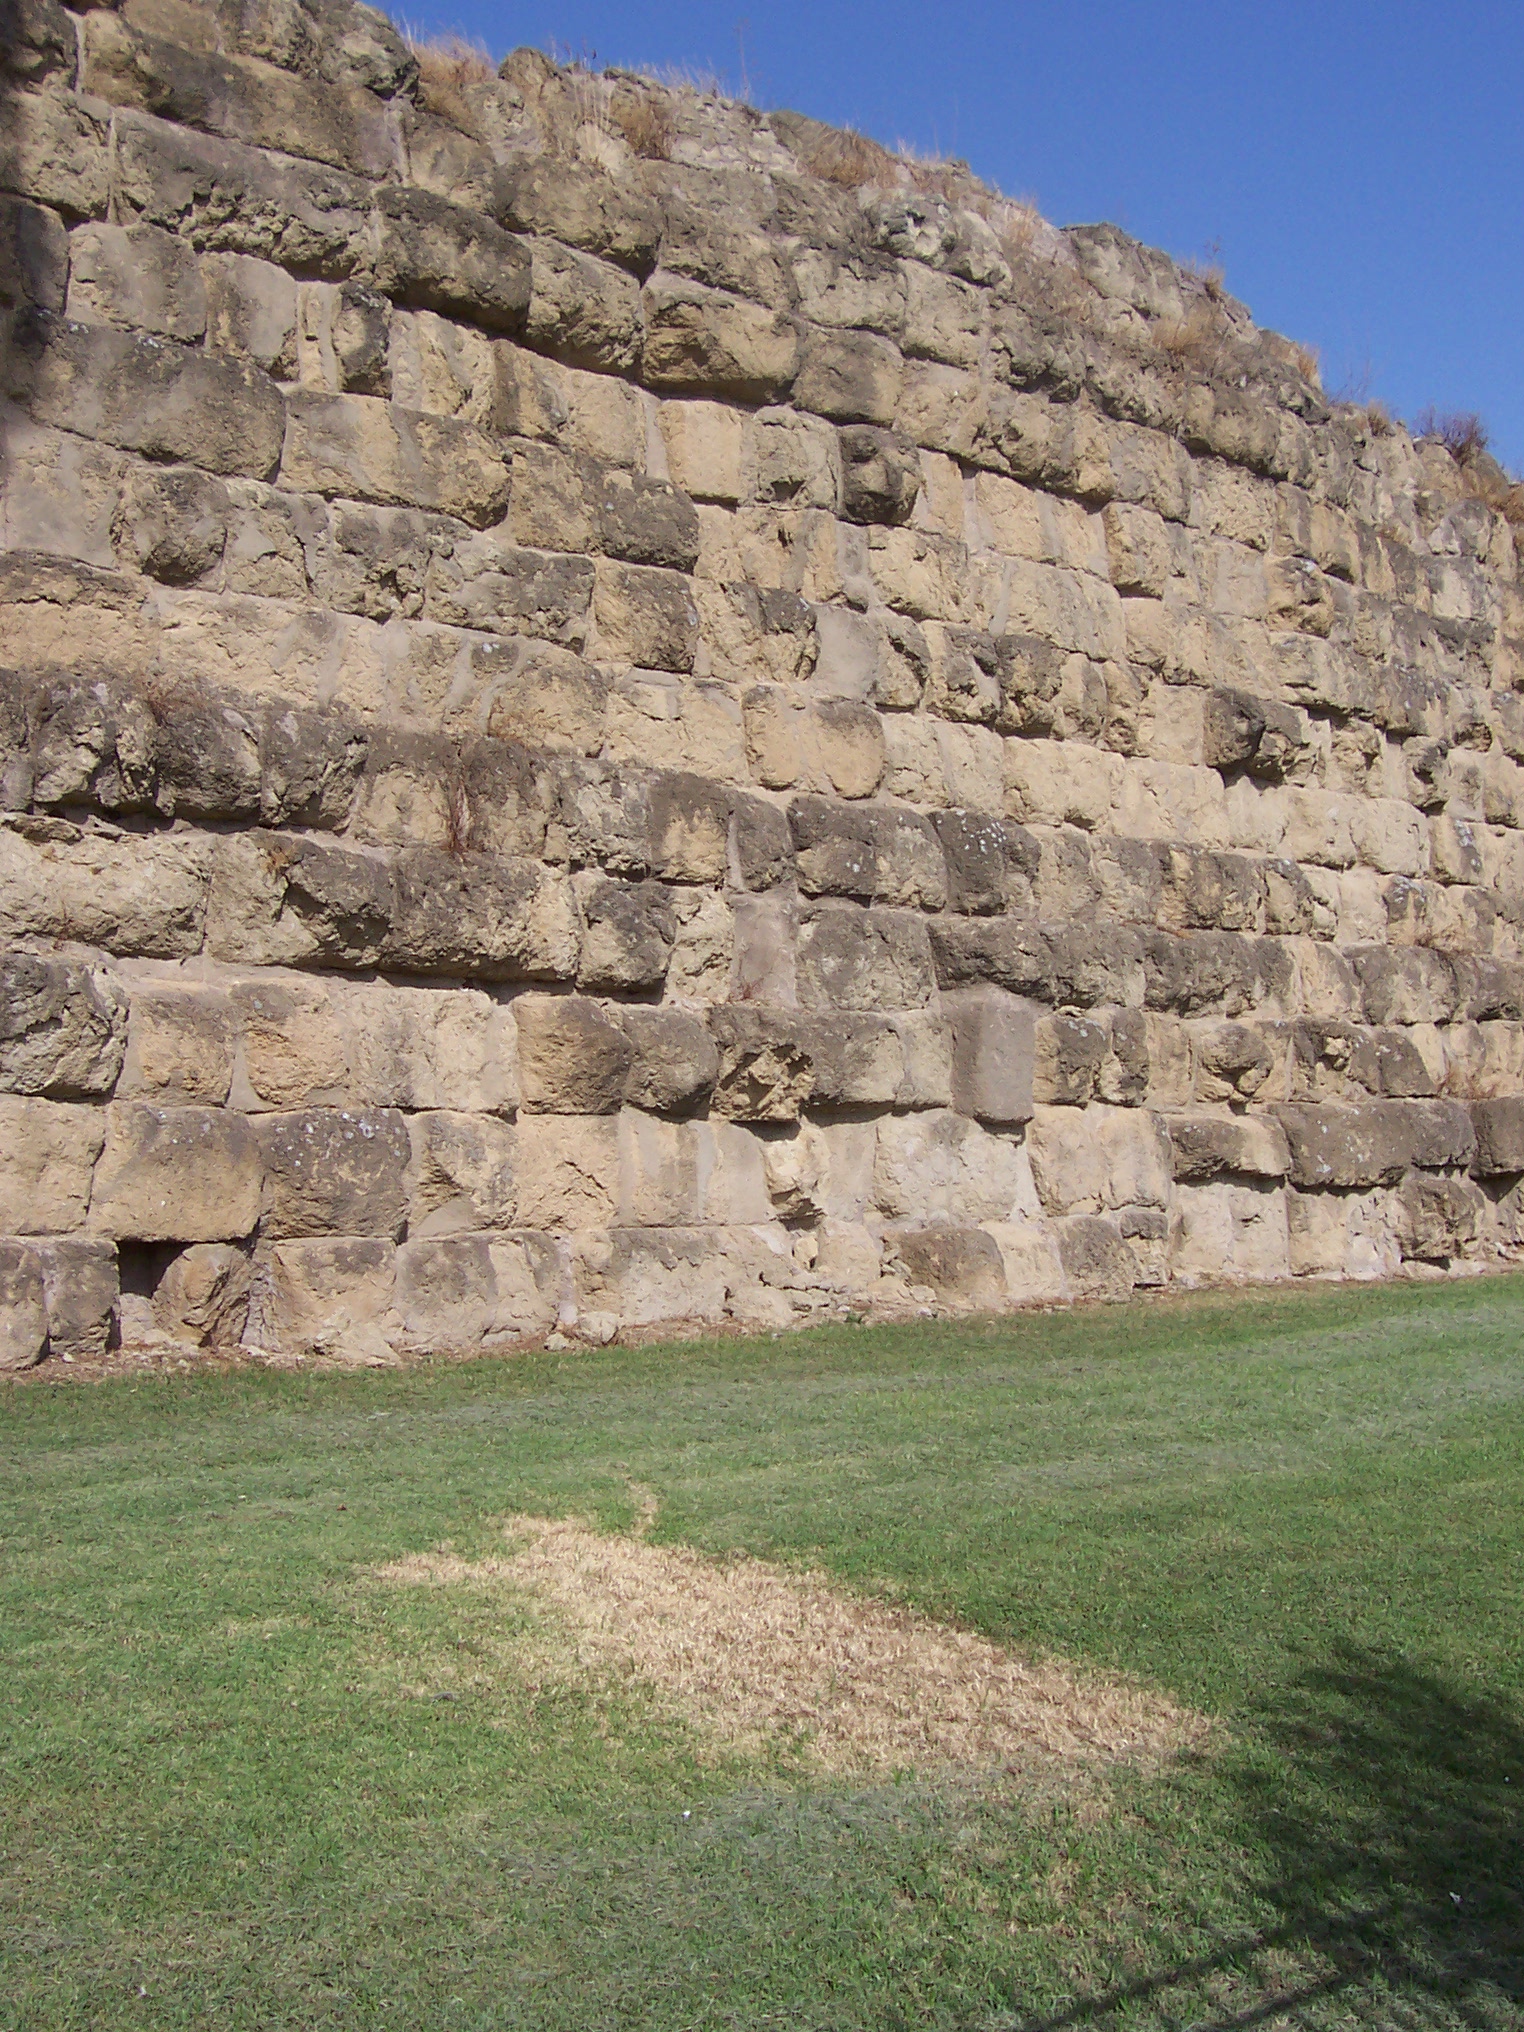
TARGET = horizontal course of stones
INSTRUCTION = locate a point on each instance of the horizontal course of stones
(601, 741)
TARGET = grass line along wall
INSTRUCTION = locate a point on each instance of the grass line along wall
(725, 732)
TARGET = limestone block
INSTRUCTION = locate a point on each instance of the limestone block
(1138, 550)
(659, 1172)
(864, 959)
(175, 1175)
(880, 476)
(1230, 1233)
(872, 853)
(1097, 1262)
(774, 736)
(329, 1296)
(583, 310)
(849, 376)
(674, 1062)
(993, 1053)
(444, 1296)
(733, 1178)
(56, 151)
(940, 1166)
(1234, 1062)
(628, 935)
(251, 311)
(226, 197)
(462, 1173)
(791, 460)
(163, 401)
(1029, 1255)
(203, 1295)
(858, 1061)
(49, 1151)
(443, 257)
(1068, 1057)
(499, 919)
(82, 1292)
(963, 1266)
(1060, 783)
(23, 1307)
(849, 1257)
(333, 1171)
(1499, 1126)
(766, 939)
(360, 447)
(1011, 952)
(172, 523)
(704, 342)
(1086, 1161)
(526, 1276)
(63, 1027)
(1439, 1218)
(644, 520)
(1374, 1142)
(552, 706)
(645, 616)
(137, 277)
(180, 1042)
(704, 449)
(1206, 1146)
(238, 97)
(1342, 1234)
(572, 1059)
(647, 1276)
(703, 964)
(495, 586)
(582, 205)
(1405, 984)
(766, 1071)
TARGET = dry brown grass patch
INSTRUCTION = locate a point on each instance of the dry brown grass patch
(851, 160)
(446, 65)
(1196, 339)
(645, 121)
(753, 1655)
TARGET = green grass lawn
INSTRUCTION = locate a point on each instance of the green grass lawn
(234, 1794)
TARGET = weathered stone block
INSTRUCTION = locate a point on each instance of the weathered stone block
(176, 1175)
(63, 1027)
(940, 1166)
(82, 1292)
(766, 1070)
(1499, 1126)
(1374, 1142)
(333, 1171)
(138, 277)
(993, 1054)
(880, 476)
(851, 377)
(1439, 1218)
(23, 1307)
(675, 1061)
(1206, 1146)
(360, 447)
(645, 616)
(203, 1295)
(864, 959)
(462, 1174)
(49, 1149)
(582, 310)
(629, 932)
(446, 258)
(963, 1266)
(1096, 1259)
(499, 919)
(327, 1295)
(568, 1170)
(445, 1293)
(180, 1044)
(703, 342)
(1088, 1160)
(34, 255)
(166, 402)
(572, 1059)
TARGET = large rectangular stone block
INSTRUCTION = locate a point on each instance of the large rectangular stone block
(993, 1054)
(166, 401)
(1374, 1142)
(361, 448)
(47, 1153)
(176, 1175)
(333, 1171)
(63, 1027)
(443, 257)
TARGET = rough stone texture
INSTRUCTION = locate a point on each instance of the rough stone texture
(591, 743)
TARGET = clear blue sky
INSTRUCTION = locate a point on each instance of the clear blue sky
(1356, 168)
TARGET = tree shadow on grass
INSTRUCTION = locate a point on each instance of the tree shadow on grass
(1389, 1837)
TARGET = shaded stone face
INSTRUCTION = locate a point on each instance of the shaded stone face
(589, 739)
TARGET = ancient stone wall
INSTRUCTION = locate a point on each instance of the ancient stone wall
(624, 712)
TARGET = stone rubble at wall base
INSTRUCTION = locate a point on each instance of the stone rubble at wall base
(594, 744)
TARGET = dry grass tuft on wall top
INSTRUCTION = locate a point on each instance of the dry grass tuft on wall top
(753, 1654)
